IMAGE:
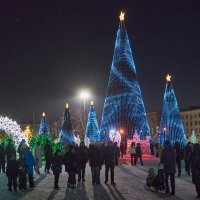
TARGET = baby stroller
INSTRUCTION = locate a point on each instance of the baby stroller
(157, 182)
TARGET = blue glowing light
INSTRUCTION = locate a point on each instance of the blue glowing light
(67, 132)
(123, 107)
(92, 129)
(43, 126)
(171, 126)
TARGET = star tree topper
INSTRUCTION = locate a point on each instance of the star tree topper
(121, 17)
(168, 77)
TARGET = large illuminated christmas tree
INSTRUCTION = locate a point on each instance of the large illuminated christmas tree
(171, 126)
(123, 108)
(92, 129)
(67, 132)
(43, 125)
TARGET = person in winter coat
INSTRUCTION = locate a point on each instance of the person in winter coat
(178, 151)
(48, 156)
(168, 159)
(12, 173)
(22, 148)
(56, 166)
(187, 152)
(109, 158)
(38, 158)
(10, 150)
(132, 153)
(82, 160)
(2, 158)
(122, 149)
(30, 163)
(95, 162)
(22, 172)
(194, 160)
(138, 154)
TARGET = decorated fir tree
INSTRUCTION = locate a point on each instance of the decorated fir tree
(28, 133)
(43, 125)
(123, 107)
(92, 130)
(67, 132)
(171, 126)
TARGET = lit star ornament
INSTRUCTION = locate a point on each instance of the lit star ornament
(67, 105)
(43, 114)
(121, 17)
(92, 103)
(168, 77)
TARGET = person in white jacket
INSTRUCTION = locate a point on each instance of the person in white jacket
(38, 158)
(132, 153)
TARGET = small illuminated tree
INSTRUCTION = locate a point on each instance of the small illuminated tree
(28, 133)
(193, 138)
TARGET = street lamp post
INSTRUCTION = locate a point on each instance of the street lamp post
(84, 95)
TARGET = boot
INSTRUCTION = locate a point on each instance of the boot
(9, 189)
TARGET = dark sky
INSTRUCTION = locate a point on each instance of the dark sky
(49, 50)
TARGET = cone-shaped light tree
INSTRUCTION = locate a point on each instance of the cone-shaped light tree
(193, 138)
(123, 107)
(92, 129)
(43, 125)
(67, 132)
(171, 126)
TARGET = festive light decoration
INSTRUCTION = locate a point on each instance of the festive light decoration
(193, 138)
(121, 17)
(43, 125)
(171, 126)
(12, 129)
(92, 129)
(67, 131)
(123, 107)
(27, 133)
(115, 136)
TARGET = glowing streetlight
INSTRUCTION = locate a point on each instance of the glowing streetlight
(84, 95)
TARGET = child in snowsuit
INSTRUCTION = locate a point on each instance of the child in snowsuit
(150, 181)
(12, 173)
(22, 172)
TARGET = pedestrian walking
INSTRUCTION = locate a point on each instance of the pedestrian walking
(109, 158)
(138, 154)
(12, 173)
(2, 158)
(22, 172)
(178, 151)
(122, 149)
(194, 160)
(48, 152)
(132, 153)
(10, 150)
(187, 152)
(38, 158)
(56, 166)
(168, 159)
(81, 161)
(30, 163)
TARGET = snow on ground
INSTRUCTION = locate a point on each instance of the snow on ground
(130, 185)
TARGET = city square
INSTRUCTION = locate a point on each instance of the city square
(100, 100)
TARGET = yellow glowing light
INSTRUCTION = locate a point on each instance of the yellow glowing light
(121, 131)
(67, 105)
(92, 103)
(168, 77)
(43, 114)
(121, 17)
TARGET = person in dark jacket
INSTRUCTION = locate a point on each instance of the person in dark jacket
(10, 150)
(168, 159)
(12, 173)
(138, 154)
(30, 164)
(82, 160)
(70, 162)
(109, 156)
(194, 160)
(122, 149)
(22, 172)
(95, 162)
(22, 148)
(178, 151)
(2, 158)
(187, 152)
(48, 152)
(56, 166)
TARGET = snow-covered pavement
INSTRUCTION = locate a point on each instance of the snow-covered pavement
(130, 185)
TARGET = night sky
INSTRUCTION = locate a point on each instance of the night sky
(49, 50)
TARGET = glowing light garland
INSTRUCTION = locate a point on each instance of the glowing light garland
(12, 129)
(123, 107)
(193, 138)
(92, 129)
(67, 131)
(171, 126)
(115, 136)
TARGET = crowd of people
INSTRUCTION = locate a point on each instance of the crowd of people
(74, 159)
